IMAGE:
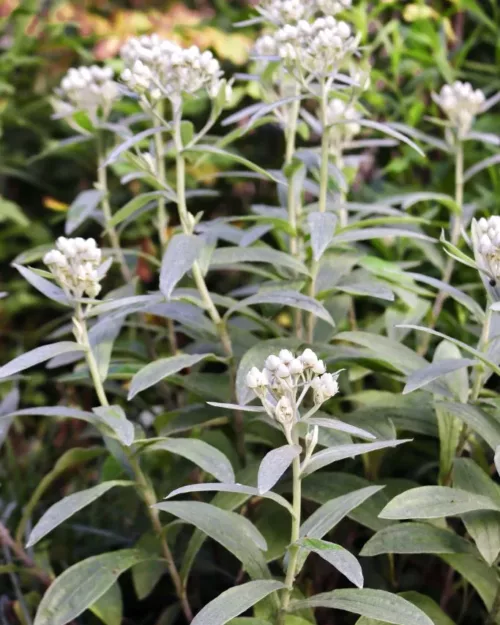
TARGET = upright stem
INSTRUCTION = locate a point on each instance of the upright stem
(455, 236)
(294, 536)
(483, 343)
(160, 170)
(220, 324)
(102, 179)
(145, 487)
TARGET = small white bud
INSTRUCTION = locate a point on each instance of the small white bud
(282, 371)
(284, 411)
(296, 367)
(319, 368)
(309, 358)
(286, 356)
(272, 362)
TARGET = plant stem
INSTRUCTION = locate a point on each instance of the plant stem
(145, 487)
(455, 235)
(220, 324)
(7, 541)
(102, 178)
(160, 171)
(294, 536)
(483, 342)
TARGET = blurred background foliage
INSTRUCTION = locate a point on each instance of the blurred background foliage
(416, 47)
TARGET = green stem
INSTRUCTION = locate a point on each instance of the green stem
(146, 489)
(483, 343)
(102, 179)
(160, 172)
(325, 149)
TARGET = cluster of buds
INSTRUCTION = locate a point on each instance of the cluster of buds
(486, 244)
(319, 47)
(285, 376)
(291, 11)
(89, 89)
(158, 68)
(341, 119)
(75, 264)
(461, 103)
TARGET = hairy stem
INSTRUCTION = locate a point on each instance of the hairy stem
(146, 489)
(102, 179)
(160, 172)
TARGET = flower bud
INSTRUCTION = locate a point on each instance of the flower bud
(286, 356)
(319, 368)
(309, 358)
(282, 371)
(272, 362)
(296, 367)
(254, 378)
(284, 411)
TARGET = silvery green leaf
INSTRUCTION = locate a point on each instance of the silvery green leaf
(184, 313)
(435, 502)
(388, 130)
(367, 234)
(219, 404)
(418, 134)
(254, 234)
(36, 356)
(225, 256)
(484, 164)
(81, 209)
(335, 424)
(337, 556)
(66, 507)
(483, 526)
(408, 200)
(322, 229)
(180, 255)
(274, 464)
(114, 417)
(480, 421)
(135, 204)
(64, 412)
(294, 299)
(416, 537)
(425, 603)
(372, 288)
(156, 371)
(208, 458)
(243, 113)
(484, 137)
(234, 601)
(377, 604)
(333, 454)
(251, 491)
(46, 287)
(102, 336)
(329, 514)
(129, 143)
(234, 532)
(497, 459)
(126, 302)
(7, 406)
(82, 584)
(437, 369)
(474, 570)
(109, 607)
(264, 109)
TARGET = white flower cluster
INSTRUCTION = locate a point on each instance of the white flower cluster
(283, 376)
(318, 47)
(291, 11)
(75, 265)
(338, 117)
(461, 103)
(486, 243)
(160, 69)
(90, 89)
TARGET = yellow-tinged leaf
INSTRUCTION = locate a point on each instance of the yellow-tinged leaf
(448, 29)
(414, 12)
(54, 205)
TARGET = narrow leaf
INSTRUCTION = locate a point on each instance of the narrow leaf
(225, 256)
(36, 356)
(46, 287)
(337, 556)
(274, 464)
(181, 253)
(322, 229)
(115, 418)
(436, 370)
(335, 424)
(81, 209)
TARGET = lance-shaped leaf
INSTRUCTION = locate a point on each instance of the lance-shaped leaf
(377, 604)
(274, 464)
(294, 299)
(341, 452)
(231, 488)
(129, 143)
(367, 234)
(435, 502)
(480, 421)
(181, 253)
(337, 556)
(416, 538)
(335, 424)
(68, 506)
(436, 370)
(219, 404)
(322, 229)
(202, 454)
(484, 164)
(474, 570)
(159, 369)
(46, 287)
(135, 204)
(81, 209)
(36, 356)
(234, 601)
(115, 418)
(83, 584)
(225, 256)
(236, 533)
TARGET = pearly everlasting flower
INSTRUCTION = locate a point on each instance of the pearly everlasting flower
(486, 244)
(256, 379)
(309, 358)
(159, 68)
(319, 368)
(286, 356)
(332, 7)
(272, 362)
(291, 11)
(75, 264)
(337, 114)
(324, 387)
(89, 89)
(461, 103)
(284, 412)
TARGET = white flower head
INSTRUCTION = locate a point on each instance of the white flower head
(89, 89)
(291, 11)
(158, 68)
(309, 358)
(342, 119)
(486, 245)
(256, 379)
(461, 103)
(75, 264)
(324, 387)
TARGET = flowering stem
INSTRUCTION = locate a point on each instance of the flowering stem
(455, 235)
(160, 172)
(483, 343)
(220, 324)
(293, 549)
(146, 489)
(102, 178)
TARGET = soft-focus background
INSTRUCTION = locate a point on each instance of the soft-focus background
(418, 47)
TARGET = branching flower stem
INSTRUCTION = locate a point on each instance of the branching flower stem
(145, 487)
(187, 226)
